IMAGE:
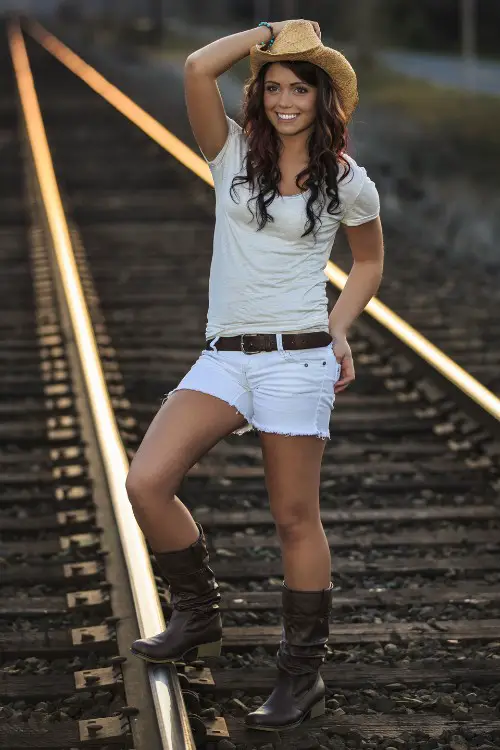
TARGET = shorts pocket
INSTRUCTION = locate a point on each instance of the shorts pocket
(319, 357)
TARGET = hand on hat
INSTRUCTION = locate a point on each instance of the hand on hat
(278, 26)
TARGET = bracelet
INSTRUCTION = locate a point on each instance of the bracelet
(271, 41)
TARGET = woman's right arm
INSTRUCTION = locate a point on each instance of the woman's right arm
(204, 104)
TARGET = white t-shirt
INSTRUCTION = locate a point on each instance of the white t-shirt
(273, 280)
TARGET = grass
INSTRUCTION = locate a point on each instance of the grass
(469, 122)
(472, 116)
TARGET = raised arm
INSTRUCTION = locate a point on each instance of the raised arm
(203, 67)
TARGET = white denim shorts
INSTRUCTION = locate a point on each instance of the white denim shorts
(287, 392)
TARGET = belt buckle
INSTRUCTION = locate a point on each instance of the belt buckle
(242, 345)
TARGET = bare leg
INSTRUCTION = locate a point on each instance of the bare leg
(187, 426)
(292, 467)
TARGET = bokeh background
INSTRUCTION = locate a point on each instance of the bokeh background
(427, 128)
(429, 121)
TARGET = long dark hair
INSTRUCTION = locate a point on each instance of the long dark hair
(326, 145)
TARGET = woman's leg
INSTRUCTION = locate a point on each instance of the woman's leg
(292, 467)
(185, 428)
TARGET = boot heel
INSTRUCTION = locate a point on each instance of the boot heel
(318, 709)
(209, 649)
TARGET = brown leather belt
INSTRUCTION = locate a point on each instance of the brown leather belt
(253, 343)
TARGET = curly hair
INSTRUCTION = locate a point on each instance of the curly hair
(326, 145)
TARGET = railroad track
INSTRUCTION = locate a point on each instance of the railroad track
(409, 493)
(66, 613)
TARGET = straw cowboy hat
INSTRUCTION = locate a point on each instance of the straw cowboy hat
(299, 41)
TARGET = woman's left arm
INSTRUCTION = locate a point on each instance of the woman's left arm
(367, 247)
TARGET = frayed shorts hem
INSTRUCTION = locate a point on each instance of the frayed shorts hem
(271, 431)
(250, 425)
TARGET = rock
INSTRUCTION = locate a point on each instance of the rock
(457, 742)
(411, 702)
(209, 713)
(225, 552)
(354, 738)
(276, 583)
(481, 709)
(102, 696)
(460, 713)
(239, 705)
(445, 703)
(391, 649)
(339, 712)
(332, 703)
(383, 704)
(226, 744)
(308, 743)
(73, 700)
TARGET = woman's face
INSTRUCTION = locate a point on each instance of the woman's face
(290, 103)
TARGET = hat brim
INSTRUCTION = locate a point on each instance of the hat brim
(330, 60)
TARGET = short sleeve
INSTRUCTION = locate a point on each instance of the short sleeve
(365, 206)
(228, 160)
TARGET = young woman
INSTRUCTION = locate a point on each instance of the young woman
(274, 359)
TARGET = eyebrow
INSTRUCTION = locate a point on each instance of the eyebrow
(294, 83)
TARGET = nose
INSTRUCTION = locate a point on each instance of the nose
(285, 98)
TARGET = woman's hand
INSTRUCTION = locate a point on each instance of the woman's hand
(278, 27)
(343, 355)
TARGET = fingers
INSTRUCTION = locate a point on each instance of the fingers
(347, 374)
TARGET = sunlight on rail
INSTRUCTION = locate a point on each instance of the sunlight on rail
(424, 348)
(380, 312)
(173, 721)
(121, 102)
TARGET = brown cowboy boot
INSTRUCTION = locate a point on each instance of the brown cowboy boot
(300, 691)
(194, 629)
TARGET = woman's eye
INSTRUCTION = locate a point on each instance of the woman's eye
(301, 90)
(271, 88)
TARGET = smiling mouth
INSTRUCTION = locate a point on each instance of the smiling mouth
(286, 118)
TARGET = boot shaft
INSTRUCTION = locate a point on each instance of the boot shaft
(305, 630)
(184, 561)
(300, 691)
(192, 583)
(306, 615)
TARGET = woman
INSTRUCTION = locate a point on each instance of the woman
(283, 184)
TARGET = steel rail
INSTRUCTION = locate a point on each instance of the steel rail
(380, 312)
(174, 727)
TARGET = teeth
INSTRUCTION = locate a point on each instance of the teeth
(287, 117)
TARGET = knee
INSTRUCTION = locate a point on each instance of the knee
(145, 486)
(294, 522)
